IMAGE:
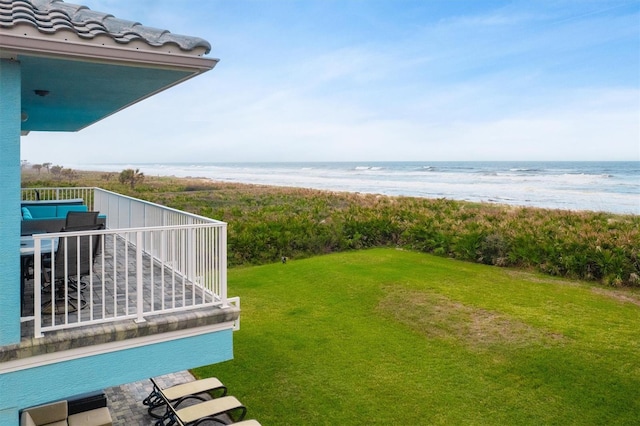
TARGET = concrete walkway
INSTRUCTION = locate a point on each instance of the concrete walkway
(125, 401)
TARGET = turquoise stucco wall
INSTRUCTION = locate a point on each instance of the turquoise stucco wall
(25, 388)
(33, 386)
(9, 201)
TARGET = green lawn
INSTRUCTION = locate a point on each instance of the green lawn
(387, 337)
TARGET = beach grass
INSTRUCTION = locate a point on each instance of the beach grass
(387, 336)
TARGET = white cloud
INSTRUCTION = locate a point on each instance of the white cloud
(511, 83)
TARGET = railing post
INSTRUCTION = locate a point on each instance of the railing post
(37, 288)
(139, 280)
(191, 255)
(223, 265)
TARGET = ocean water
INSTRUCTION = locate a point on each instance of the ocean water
(595, 186)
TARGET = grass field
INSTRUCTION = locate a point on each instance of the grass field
(385, 337)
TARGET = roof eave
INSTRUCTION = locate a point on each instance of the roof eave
(10, 45)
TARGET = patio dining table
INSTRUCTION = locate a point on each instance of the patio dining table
(27, 252)
(27, 245)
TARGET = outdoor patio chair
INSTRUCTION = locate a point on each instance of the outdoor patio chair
(197, 389)
(57, 413)
(206, 411)
(81, 219)
(73, 260)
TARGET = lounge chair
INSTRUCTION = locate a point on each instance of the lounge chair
(206, 411)
(179, 393)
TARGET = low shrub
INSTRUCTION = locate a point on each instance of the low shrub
(266, 223)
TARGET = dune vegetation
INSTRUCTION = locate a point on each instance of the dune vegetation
(267, 223)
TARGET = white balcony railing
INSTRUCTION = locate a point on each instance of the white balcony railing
(150, 260)
(37, 194)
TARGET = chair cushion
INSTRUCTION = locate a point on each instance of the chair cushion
(26, 214)
(192, 388)
(48, 414)
(212, 407)
(26, 420)
(97, 417)
(42, 211)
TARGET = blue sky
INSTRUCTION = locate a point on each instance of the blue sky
(355, 80)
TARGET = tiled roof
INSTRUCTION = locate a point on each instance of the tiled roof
(51, 16)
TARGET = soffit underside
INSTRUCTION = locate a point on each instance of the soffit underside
(68, 95)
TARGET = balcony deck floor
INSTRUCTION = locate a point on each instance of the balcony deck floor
(113, 293)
